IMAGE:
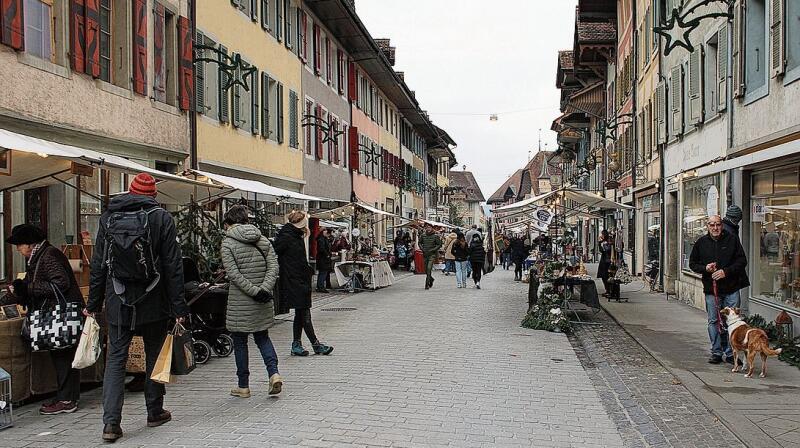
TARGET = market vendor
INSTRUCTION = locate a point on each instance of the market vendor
(47, 274)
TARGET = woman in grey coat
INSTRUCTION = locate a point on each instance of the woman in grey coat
(252, 268)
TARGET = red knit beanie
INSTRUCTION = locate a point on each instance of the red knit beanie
(143, 184)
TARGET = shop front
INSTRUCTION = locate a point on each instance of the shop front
(774, 240)
(648, 227)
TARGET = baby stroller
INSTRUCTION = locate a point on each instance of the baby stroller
(207, 305)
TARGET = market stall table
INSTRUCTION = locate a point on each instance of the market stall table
(588, 289)
(376, 274)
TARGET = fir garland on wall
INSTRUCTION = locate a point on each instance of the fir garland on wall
(200, 237)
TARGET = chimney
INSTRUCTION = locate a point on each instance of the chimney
(386, 49)
(401, 75)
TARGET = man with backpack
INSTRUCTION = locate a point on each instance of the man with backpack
(137, 273)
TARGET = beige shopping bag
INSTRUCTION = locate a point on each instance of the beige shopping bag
(162, 370)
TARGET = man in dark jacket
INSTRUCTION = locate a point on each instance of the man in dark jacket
(430, 243)
(720, 258)
(151, 309)
(324, 267)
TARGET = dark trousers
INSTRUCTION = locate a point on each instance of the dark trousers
(322, 279)
(518, 269)
(119, 340)
(429, 262)
(302, 322)
(69, 379)
(241, 354)
(477, 270)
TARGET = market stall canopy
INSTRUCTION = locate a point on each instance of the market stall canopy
(348, 210)
(33, 162)
(230, 185)
(423, 222)
(582, 197)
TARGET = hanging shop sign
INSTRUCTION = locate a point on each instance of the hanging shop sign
(542, 218)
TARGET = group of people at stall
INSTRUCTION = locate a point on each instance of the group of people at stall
(139, 287)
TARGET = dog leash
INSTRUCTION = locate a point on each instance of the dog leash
(716, 304)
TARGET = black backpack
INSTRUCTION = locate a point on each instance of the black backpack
(129, 253)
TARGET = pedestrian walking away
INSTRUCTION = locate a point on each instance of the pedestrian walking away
(460, 251)
(430, 244)
(719, 257)
(477, 258)
(518, 255)
(324, 262)
(295, 281)
(449, 259)
(47, 269)
(606, 247)
(141, 288)
(252, 268)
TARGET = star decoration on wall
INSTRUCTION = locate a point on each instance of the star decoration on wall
(236, 70)
(330, 131)
(679, 26)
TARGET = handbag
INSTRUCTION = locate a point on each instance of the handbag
(182, 351)
(56, 328)
(89, 347)
(623, 275)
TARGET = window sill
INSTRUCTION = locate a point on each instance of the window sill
(756, 95)
(168, 108)
(43, 64)
(210, 120)
(113, 89)
(713, 118)
(791, 76)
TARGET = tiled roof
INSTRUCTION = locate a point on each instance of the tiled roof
(565, 59)
(526, 180)
(596, 31)
(470, 187)
(512, 183)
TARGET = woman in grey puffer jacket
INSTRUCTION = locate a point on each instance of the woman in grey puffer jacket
(252, 268)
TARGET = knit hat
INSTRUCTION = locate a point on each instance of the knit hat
(734, 214)
(26, 234)
(143, 184)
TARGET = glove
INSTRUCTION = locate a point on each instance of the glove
(20, 288)
(262, 296)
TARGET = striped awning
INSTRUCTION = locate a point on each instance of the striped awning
(589, 100)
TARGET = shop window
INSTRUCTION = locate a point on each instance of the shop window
(90, 203)
(785, 181)
(695, 212)
(756, 49)
(762, 183)
(39, 40)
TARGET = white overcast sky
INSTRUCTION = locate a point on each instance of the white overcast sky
(479, 57)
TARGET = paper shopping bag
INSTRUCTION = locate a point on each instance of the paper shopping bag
(135, 362)
(182, 351)
(89, 346)
(162, 370)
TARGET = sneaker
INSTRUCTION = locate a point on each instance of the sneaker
(322, 349)
(432, 279)
(111, 433)
(298, 350)
(59, 407)
(241, 392)
(715, 359)
(275, 384)
(158, 419)
(477, 286)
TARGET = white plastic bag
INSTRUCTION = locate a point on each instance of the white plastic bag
(89, 346)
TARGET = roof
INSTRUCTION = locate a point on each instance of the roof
(525, 181)
(596, 31)
(511, 186)
(565, 59)
(469, 185)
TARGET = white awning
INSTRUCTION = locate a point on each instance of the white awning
(348, 210)
(524, 203)
(784, 149)
(246, 185)
(580, 196)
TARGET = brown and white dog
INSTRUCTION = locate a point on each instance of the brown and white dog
(743, 337)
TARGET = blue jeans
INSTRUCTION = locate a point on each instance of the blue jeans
(322, 279)
(240, 353)
(719, 339)
(449, 266)
(461, 272)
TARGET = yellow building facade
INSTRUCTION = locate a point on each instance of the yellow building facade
(251, 132)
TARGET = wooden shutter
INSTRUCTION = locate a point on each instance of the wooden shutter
(777, 34)
(737, 53)
(224, 115)
(139, 45)
(722, 68)
(352, 83)
(253, 14)
(265, 14)
(340, 72)
(661, 112)
(318, 133)
(287, 21)
(265, 129)
(12, 24)
(317, 50)
(676, 100)
(328, 64)
(199, 72)
(293, 119)
(254, 107)
(280, 113)
(186, 87)
(302, 30)
(278, 20)
(159, 67)
(696, 86)
(353, 146)
(77, 33)
(92, 38)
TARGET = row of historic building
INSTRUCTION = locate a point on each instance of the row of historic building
(682, 124)
(295, 94)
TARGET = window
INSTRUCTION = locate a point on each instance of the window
(792, 40)
(755, 50)
(302, 33)
(711, 86)
(105, 40)
(243, 102)
(276, 19)
(207, 89)
(309, 141)
(165, 49)
(274, 108)
(38, 29)
(695, 212)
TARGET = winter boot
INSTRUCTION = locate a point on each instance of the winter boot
(298, 350)
(322, 349)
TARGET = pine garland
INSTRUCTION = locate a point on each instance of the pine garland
(200, 238)
(547, 313)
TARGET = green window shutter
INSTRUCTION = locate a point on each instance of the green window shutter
(676, 100)
(696, 86)
(777, 36)
(279, 19)
(722, 68)
(265, 14)
(253, 9)
(280, 103)
(293, 119)
(237, 112)
(223, 93)
(737, 53)
(199, 78)
(287, 18)
(265, 105)
(254, 122)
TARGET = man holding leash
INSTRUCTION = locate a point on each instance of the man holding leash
(719, 257)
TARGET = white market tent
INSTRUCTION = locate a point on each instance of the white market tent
(582, 197)
(348, 210)
(33, 162)
(228, 185)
